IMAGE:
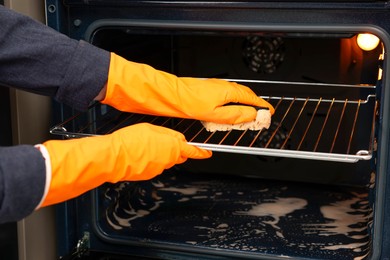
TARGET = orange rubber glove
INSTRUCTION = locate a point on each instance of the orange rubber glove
(139, 88)
(138, 152)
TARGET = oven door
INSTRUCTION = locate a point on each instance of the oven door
(243, 206)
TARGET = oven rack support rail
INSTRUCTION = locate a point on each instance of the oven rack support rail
(328, 129)
(333, 157)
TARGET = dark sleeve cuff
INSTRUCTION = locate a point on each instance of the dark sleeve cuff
(87, 74)
(22, 181)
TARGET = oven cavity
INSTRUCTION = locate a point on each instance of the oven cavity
(304, 188)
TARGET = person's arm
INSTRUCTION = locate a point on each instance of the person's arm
(38, 59)
(22, 181)
(35, 58)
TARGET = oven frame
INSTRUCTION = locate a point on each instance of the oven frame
(261, 17)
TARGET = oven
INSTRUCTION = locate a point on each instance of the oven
(312, 186)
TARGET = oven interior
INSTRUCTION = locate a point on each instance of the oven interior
(303, 188)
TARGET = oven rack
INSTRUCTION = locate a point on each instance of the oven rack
(338, 130)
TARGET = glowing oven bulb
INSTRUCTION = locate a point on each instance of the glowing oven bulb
(367, 41)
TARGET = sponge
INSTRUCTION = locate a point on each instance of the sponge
(263, 120)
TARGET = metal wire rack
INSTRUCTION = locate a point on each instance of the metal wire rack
(327, 129)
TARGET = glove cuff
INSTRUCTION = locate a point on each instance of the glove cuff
(46, 156)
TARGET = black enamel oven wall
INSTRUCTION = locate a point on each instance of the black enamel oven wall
(211, 39)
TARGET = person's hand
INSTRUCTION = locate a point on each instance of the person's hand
(138, 152)
(138, 88)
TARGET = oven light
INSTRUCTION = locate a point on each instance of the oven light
(367, 41)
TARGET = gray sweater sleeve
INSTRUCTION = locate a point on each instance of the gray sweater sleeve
(22, 181)
(35, 58)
